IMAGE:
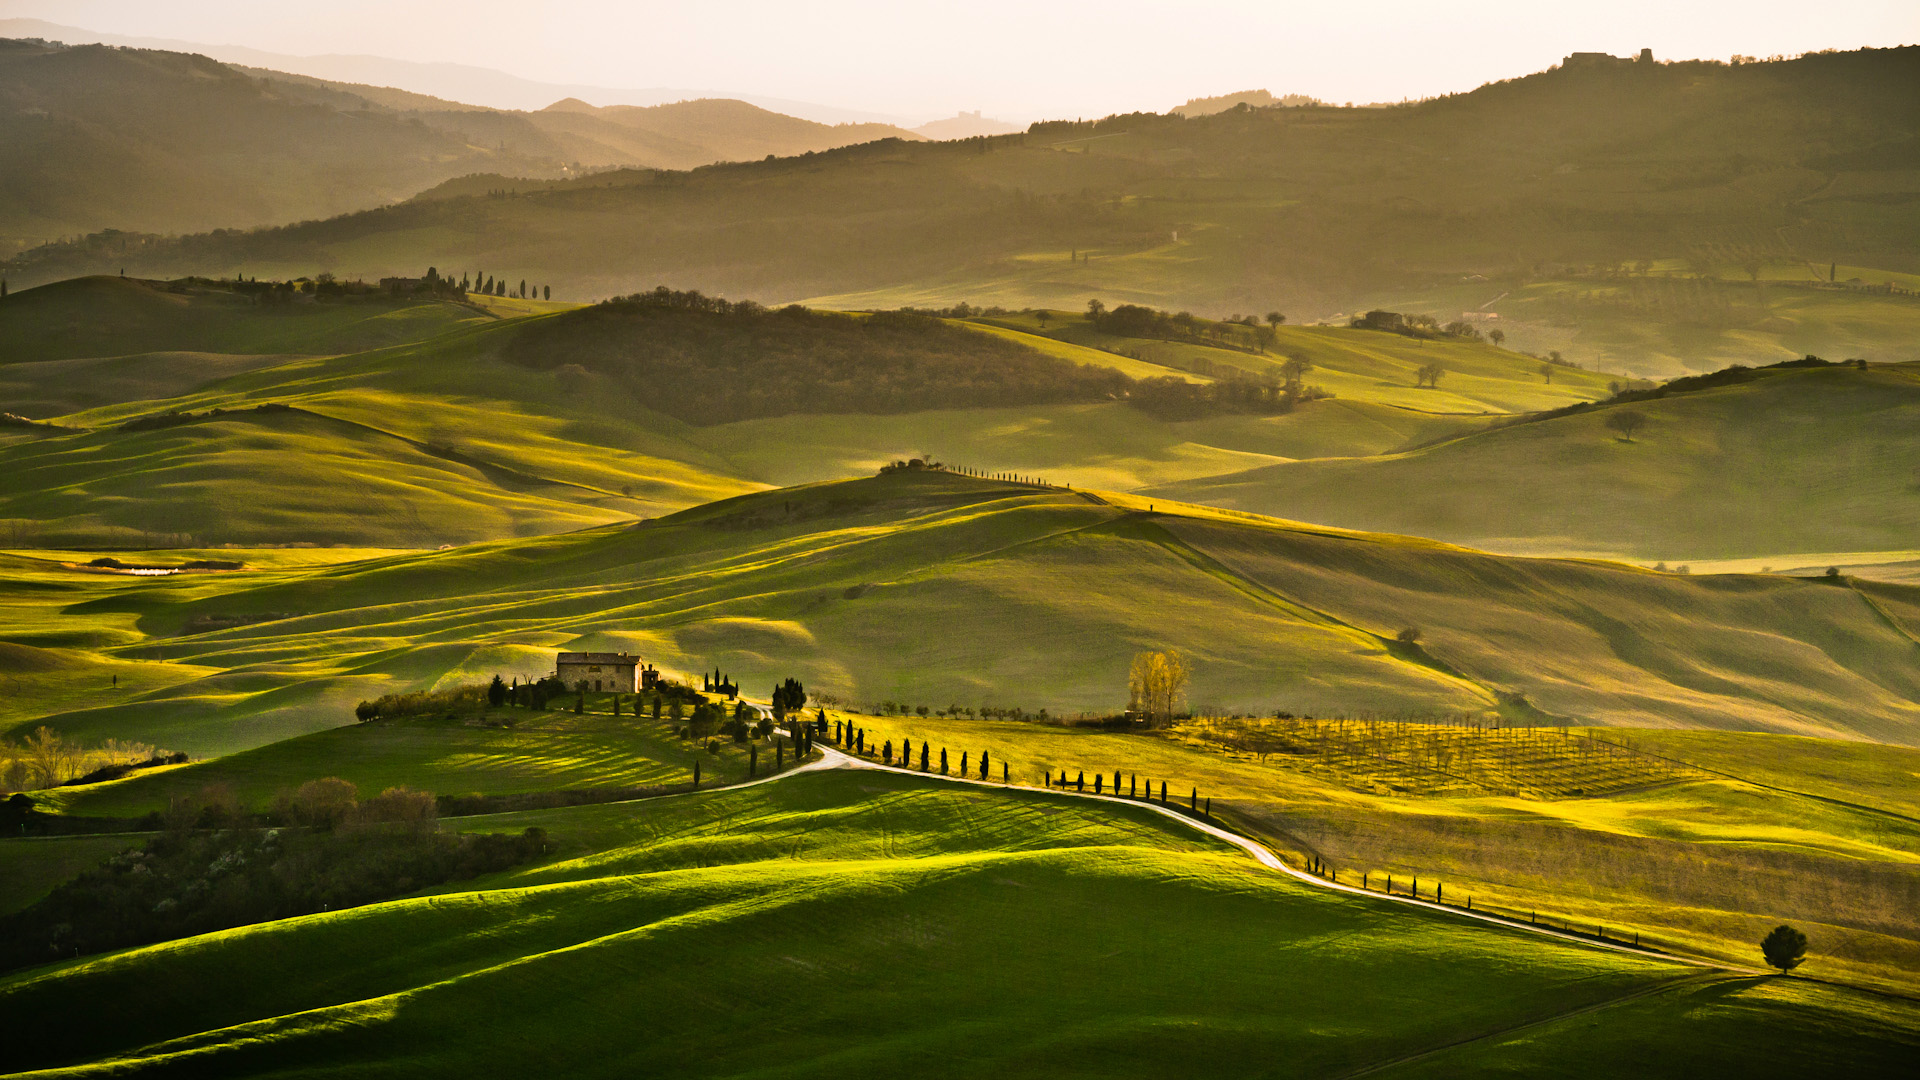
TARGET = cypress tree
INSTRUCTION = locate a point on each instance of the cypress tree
(1193, 799)
(983, 765)
(1081, 783)
(906, 752)
(696, 774)
(1005, 776)
(1133, 784)
(886, 752)
(1163, 793)
(923, 757)
(1116, 781)
(1097, 777)
(943, 761)
(860, 741)
(963, 763)
(580, 703)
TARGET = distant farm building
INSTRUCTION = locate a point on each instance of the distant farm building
(618, 672)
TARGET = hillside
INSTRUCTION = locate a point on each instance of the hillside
(1789, 460)
(140, 141)
(933, 587)
(104, 317)
(1693, 169)
(653, 404)
(153, 142)
(876, 895)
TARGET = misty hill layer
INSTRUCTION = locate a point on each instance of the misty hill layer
(147, 141)
(1808, 159)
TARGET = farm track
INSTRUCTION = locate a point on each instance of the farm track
(835, 759)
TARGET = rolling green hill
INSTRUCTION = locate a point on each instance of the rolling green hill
(108, 317)
(1691, 168)
(510, 417)
(934, 587)
(821, 905)
(1792, 459)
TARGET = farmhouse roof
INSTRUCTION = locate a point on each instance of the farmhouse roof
(597, 658)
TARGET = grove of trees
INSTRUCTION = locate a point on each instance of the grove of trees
(1157, 685)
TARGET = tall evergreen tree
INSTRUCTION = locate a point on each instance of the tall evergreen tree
(923, 755)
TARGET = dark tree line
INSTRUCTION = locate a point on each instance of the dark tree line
(708, 361)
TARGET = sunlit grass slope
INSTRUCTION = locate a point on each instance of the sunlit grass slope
(1707, 863)
(1793, 460)
(942, 588)
(104, 316)
(503, 751)
(1359, 365)
(414, 446)
(865, 925)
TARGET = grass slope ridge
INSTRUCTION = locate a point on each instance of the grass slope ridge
(1792, 459)
(940, 588)
(867, 896)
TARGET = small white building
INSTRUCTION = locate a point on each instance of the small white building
(619, 672)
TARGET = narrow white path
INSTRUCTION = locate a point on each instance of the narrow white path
(835, 759)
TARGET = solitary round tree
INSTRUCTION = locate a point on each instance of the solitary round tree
(1626, 422)
(1784, 947)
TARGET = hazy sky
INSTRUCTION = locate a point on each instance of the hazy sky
(1017, 60)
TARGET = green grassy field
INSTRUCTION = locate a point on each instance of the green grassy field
(104, 316)
(1371, 366)
(860, 924)
(435, 439)
(1793, 460)
(1701, 863)
(496, 752)
(943, 589)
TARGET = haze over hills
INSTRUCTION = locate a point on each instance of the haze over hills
(1601, 191)
(485, 87)
(145, 142)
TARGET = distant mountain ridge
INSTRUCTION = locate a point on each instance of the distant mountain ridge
(143, 141)
(485, 87)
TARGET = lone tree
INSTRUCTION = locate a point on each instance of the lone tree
(1274, 319)
(1156, 685)
(1546, 372)
(1784, 947)
(1497, 336)
(1626, 422)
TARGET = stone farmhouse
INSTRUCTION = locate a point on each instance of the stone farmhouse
(618, 672)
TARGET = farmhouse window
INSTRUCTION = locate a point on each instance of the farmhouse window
(595, 667)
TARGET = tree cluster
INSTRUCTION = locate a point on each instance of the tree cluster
(1157, 685)
(187, 882)
(708, 361)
